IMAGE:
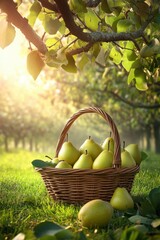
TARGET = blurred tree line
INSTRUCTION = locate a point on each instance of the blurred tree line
(32, 114)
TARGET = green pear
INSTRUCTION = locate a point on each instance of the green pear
(55, 160)
(134, 150)
(92, 148)
(126, 159)
(63, 164)
(104, 160)
(68, 153)
(84, 162)
(108, 144)
(121, 199)
(95, 213)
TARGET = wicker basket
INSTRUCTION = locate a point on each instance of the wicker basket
(79, 186)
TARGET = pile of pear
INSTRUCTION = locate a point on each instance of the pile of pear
(92, 155)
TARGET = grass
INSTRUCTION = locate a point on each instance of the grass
(24, 201)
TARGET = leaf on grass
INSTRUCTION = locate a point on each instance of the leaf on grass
(140, 220)
(46, 229)
(154, 197)
(156, 223)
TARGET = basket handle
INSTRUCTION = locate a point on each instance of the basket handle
(117, 151)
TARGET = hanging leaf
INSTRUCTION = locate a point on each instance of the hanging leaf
(51, 25)
(91, 20)
(34, 12)
(7, 33)
(140, 78)
(70, 66)
(82, 62)
(130, 76)
(115, 55)
(35, 63)
(124, 25)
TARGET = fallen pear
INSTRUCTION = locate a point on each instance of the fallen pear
(121, 199)
(95, 213)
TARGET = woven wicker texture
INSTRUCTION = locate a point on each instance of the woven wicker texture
(78, 186)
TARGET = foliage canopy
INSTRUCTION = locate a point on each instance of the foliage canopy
(72, 34)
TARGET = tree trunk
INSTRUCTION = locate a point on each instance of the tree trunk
(31, 144)
(6, 144)
(156, 136)
(16, 141)
(148, 138)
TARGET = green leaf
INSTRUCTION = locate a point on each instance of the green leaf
(35, 63)
(130, 76)
(51, 25)
(70, 66)
(52, 229)
(140, 78)
(156, 223)
(91, 20)
(144, 156)
(7, 33)
(116, 3)
(140, 220)
(115, 55)
(39, 163)
(124, 25)
(154, 197)
(82, 61)
(34, 12)
(78, 6)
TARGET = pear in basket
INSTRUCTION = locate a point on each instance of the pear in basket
(134, 150)
(63, 164)
(108, 143)
(92, 148)
(104, 160)
(68, 153)
(126, 159)
(84, 162)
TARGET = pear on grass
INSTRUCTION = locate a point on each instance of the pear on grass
(95, 213)
(126, 159)
(84, 162)
(68, 153)
(104, 160)
(121, 199)
(108, 143)
(134, 150)
(63, 164)
(93, 148)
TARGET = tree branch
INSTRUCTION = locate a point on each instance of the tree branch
(96, 36)
(132, 104)
(9, 7)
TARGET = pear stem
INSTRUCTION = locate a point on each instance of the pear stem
(109, 145)
(86, 152)
(110, 133)
(124, 145)
(48, 157)
(67, 137)
(89, 137)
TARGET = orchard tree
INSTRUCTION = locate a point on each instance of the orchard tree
(71, 34)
